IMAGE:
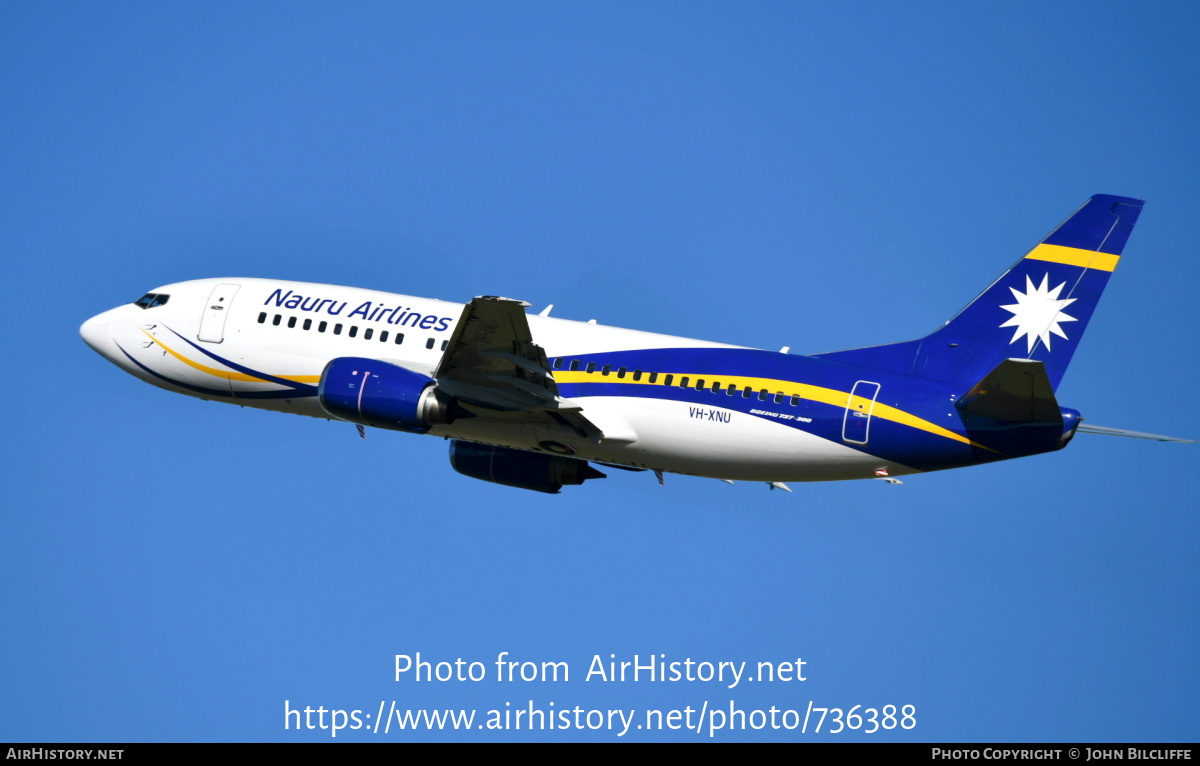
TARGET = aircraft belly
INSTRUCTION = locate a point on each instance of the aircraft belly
(727, 444)
(667, 435)
(672, 437)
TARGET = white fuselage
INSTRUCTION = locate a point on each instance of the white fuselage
(245, 340)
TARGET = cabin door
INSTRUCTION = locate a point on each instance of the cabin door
(856, 425)
(212, 321)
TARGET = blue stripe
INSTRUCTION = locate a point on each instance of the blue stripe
(305, 389)
(217, 392)
(888, 440)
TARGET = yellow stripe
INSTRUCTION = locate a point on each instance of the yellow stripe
(1073, 256)
(226, 374)
(839, 399)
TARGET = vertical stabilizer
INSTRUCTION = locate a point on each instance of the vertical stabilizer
(1037, 310)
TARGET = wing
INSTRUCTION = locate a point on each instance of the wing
(492, 363)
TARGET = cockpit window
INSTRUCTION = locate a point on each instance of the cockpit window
(151, 300)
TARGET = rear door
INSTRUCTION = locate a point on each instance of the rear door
(856, 425)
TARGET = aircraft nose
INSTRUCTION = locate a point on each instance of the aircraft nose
(95, 332)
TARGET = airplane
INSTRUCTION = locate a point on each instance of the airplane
(537, 402)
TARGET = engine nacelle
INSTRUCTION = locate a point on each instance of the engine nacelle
(380, 394)
(518, 468)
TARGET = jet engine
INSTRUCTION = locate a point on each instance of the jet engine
(384, 395)
(517, 468)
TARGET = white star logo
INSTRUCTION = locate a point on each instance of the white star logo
(1037, 313)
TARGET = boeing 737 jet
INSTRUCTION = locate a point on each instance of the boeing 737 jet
(533, 401)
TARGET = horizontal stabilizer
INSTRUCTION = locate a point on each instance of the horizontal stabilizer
(1016, 391)
(1132, 434)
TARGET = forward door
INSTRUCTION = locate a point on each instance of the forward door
(212, 321)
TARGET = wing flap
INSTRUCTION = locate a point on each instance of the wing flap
(493, 363)
(492, 360)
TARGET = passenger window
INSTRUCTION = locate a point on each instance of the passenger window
(621, 373)
(762, 395)
(606, 369)
(729, 391)
(262, 317)
(429, 343)
(637, 374)
(291, 322)
(321, 327)
(557, 363)
(383, 336)
(307, 324)
(591, 367)
(779, 397)
(795, 400)
(353, 330)
(668, 380)
(337, 329)
(700, 384)
(276, 320)
(399, 338)
(368, 333)
(445, 345)
(746, 392)
(683, 382)
(574, 365)
(654, 377)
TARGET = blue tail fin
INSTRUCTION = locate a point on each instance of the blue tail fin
(1036, 310)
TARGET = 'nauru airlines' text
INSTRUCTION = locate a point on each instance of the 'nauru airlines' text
(368, 310)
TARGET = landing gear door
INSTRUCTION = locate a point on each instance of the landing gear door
(212, 321)
(856, 425)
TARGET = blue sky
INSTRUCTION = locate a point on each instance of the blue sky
(768, 174)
